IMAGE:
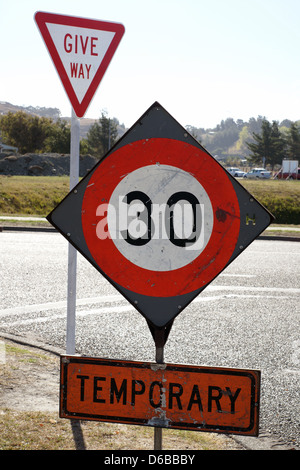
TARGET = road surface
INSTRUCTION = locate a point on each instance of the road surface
(247, 318)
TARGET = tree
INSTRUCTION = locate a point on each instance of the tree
(239, 147)
(15, 130)
(59, 138)
(29, 133)
(194, 132)
(102, 136)
(222, 137)
(268, 147)
(293, 142)
(38, 130)
(279, 145)
(254, 124)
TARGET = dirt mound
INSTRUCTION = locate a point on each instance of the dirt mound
(45, 164)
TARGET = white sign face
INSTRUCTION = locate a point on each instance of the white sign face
(173, 205)
(81, 50)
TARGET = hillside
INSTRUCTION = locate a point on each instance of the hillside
(6, 107)
(53, 113)
(226, 142)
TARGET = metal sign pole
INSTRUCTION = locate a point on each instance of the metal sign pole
(160, 339)
(72, 253)
(160, 336)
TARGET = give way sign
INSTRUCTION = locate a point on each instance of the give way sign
(81, 50)
(159, 217)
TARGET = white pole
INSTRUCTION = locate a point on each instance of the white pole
(72, 253)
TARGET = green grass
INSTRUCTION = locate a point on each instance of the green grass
(38, 195)
(31, 195)
(281, 198)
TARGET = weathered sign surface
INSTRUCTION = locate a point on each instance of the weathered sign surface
(167, 395)
(159, 217)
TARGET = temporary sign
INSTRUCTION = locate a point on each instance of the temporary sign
(81, 50)
(168, 395)
(159, 217)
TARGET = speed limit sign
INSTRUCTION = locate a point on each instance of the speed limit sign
(159, 217)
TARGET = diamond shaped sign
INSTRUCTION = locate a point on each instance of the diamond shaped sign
(159, 217)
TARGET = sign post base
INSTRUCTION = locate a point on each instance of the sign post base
(160, 340)
(160, 336)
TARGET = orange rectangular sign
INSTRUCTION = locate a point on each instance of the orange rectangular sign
(165, 395)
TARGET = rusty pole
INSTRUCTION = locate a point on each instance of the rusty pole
(159, 338)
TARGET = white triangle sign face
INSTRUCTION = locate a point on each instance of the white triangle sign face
(81, 50)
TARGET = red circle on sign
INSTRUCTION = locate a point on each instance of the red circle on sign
(211, 176)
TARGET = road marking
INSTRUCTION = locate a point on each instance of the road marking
(276, 253)
(115, 309)
(34, 308)
(126, 308)
(60, 304)
(238, 275)
(79, 314)
(288, 290)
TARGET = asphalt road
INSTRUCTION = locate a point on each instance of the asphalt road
(247, 318)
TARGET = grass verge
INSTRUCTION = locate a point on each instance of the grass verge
(31, 195)
(280, 197)
(46, 431)
(38, 195)
(25, 428)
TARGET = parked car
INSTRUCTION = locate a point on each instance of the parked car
(236, 172)
(258, 173)
(287, 176)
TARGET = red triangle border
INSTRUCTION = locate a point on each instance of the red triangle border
(42, 18)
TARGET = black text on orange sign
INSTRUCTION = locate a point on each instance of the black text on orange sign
(173, 396)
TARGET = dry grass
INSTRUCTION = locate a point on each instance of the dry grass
(46, 431)
(38, 195)
(31, 195)
(26, 376)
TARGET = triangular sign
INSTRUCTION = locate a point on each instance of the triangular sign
(81, 50)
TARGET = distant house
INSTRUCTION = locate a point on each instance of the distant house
(7, 148)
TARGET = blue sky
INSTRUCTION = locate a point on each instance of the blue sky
(204, 61)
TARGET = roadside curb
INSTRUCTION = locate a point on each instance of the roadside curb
(32, 343)
(26, 229)
(51, 229)
(279, 238)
